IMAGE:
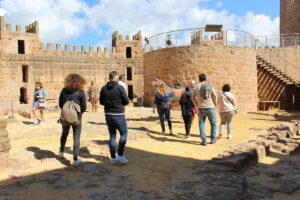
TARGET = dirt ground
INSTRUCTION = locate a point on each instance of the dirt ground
(161, 167)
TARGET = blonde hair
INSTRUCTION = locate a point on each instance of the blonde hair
(162, 89)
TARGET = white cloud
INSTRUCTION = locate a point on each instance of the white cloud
(58, 20)
(61, 20)
(260, 24)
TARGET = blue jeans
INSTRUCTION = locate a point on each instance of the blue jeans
(211, 114)
(114, 123)
(162, 114)
(226, 118)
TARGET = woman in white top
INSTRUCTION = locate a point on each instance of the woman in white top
(227, 109)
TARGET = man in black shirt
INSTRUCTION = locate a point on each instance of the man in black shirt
(114, 98)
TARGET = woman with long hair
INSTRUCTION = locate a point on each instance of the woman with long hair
(39, 102)
(73, 91)
(162, 103)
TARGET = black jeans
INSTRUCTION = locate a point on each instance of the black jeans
(188, 123)
(114, 123)
(76, 138)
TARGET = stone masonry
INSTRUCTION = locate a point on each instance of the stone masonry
(290, 22)
(23, 61)
(289, 16)
(221, 64)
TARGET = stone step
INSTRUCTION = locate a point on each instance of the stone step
(279, 138)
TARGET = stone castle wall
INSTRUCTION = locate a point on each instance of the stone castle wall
(289, 16)
(221, 64)
(51, 66)
(291, 54)
(51, 71)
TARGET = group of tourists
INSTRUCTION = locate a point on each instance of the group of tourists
(72, 101)
(198, 99)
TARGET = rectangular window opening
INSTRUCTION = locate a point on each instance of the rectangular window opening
(129, 74)
(128, 52)
(130, 92)
(23, 96)
(21, 47)
(25, 73)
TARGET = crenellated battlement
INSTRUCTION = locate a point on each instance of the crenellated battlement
(196, 38)
(33, 28)
(75, 50)
(119, 38)
(216, 39)
(137, 36)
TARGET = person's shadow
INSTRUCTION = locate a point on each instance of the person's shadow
(41, 154)
(27, 123)
(85, 153)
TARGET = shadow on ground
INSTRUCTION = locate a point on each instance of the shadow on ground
(155, 176)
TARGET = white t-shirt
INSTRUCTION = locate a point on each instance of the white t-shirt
(124, 85)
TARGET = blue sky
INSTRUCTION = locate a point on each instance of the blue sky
(92, 22)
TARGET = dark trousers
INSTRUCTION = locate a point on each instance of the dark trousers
(162, 115)
(114, 123)
(76, 138)
(188, 123)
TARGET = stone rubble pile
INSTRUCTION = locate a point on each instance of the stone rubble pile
(279, 138)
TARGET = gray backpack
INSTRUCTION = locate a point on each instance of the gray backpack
(69, 113)
(206, 90)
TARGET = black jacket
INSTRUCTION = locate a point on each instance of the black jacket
(73, 95)
(187, 107)
(113, 96)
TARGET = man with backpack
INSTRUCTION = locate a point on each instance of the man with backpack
(205, 98)
(114, 99)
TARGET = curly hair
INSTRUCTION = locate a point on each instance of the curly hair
(74, 81)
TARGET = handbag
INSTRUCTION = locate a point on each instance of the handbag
(42, 105)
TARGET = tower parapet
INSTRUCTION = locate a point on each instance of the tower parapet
(127, 48)
(216, 39)
(18, 42)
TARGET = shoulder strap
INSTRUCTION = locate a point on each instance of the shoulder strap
(228, 98)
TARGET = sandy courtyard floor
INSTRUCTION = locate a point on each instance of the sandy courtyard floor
(161, 167)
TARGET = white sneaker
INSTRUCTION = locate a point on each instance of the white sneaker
(60, 154)
(122, 159)
(76, 163)
(113, 161)
(36, 121)
(229, 137)
(41, 123)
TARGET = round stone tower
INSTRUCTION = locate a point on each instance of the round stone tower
(289, 16)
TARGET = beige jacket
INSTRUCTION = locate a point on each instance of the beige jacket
(227, 103)
(200, 102)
